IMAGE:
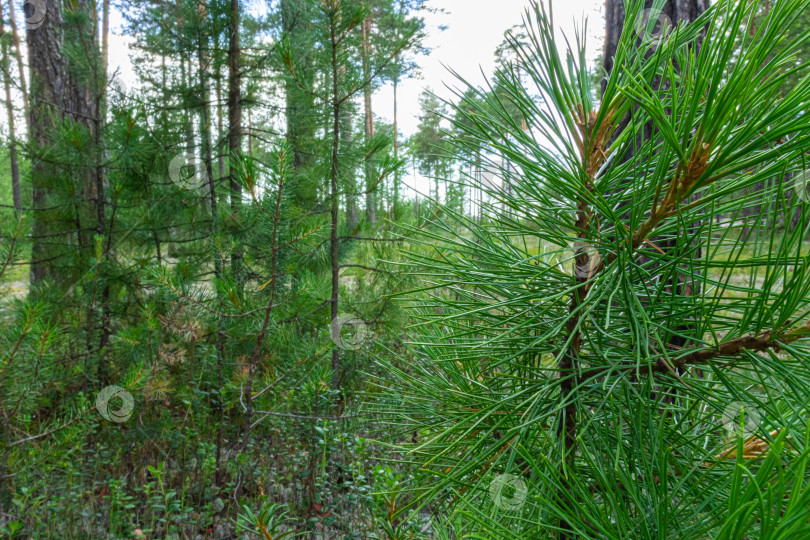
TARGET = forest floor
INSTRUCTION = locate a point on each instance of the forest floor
(16, 289)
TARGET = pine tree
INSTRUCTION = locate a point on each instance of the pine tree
(430, 144)
(547, 398)
(404, 19)
(63, 95)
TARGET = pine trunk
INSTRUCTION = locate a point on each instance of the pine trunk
(234, 151)
(57, 95)
(348, 177)
(15, 38)
(234, 125)
(49, 68)
(221, 136)
(12, 137)
(371, 209)
(674, 10)
(395, 196)
(101, 182)
(333, 191)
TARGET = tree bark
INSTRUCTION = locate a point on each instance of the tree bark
(49, 72)
(186, 78)
(234, 125)
(676, 10)
(56, 94)
(371, 210)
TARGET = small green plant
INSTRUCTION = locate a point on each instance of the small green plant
(267, 523)
(11, 529)
(390, 505)
(164, 507)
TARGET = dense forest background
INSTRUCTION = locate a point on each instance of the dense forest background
(224, 317)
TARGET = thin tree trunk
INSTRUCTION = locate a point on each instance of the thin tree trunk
(676, 11)
(163, 89)
(349, 179)
(185, 80)
(205, 136)
(371, 210)
(333, 178)
(397, 67)
(221, 137)
(250, 132)
(220, 343)
(105, 37)
(234, 125)
(101, 181)
(754, 210)
(15, 38)
(12, 137)
(257, 349)
(395, 202)
(416, 193)
(479, 189)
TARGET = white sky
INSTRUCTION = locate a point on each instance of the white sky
(475, 29)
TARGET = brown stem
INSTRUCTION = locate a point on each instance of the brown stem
(334, 242)
(234, 126)
(759, 343)
(254, 357)
(591, 143)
